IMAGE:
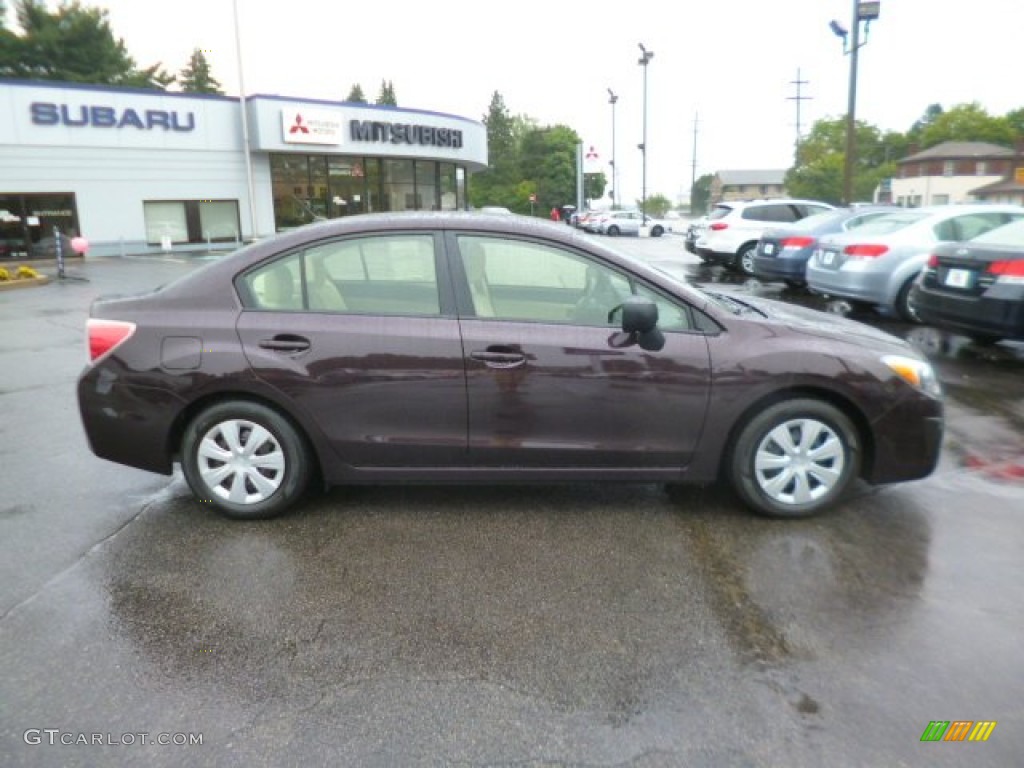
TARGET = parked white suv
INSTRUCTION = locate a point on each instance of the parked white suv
(734, 227)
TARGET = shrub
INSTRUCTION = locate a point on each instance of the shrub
(4, 275)
(26, 273)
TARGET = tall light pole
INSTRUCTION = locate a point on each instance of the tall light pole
(866, 11)
(645, 59)
(612, 99)
(243, 104)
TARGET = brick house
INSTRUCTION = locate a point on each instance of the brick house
(747, 185)
(951, 172)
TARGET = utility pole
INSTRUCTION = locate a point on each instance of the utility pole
(798, 98)
(693, 162)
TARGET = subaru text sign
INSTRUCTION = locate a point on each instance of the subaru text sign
(102, 116)
(311, 126)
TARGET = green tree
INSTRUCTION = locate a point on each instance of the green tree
(931, 114)
(821, 154)
(74, 44)
(700, 195)
(387, 94)
(968, 122)
(1016, 120)
(498, 184)
(356, 95)
(655, 205)
(197, 76)
(594, 185)
(548, 158)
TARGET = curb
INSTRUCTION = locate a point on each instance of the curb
(24, 282)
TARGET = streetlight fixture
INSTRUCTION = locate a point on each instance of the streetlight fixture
(644, 60)
(612, 99)
(866, 11)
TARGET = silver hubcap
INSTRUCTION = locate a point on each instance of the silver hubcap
(799, 461)
(747, 261)
(241, 462)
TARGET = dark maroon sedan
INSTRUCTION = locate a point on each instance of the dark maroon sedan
(465, 348)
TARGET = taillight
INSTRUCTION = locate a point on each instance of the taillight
(106, 335)
(718, 226)
(797, 242)
(865, 251)
(933, 261)
(1008, 271)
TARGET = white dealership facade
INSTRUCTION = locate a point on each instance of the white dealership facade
(136, 170)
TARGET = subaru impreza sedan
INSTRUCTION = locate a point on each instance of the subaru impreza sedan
(468, 348)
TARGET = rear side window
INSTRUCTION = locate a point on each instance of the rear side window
(385, 275)
(775, 213)
(720, 212)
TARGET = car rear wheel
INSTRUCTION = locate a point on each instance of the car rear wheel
(795, 458)
(613, 231)
(246, 459)
(745, 258)
(795, 285)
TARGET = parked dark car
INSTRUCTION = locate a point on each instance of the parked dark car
(467, 348)
(782, 252)
(976, 287)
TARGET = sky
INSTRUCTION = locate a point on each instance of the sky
(730, 63)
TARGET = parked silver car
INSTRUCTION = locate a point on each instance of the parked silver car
(877, 263)
(615, 223)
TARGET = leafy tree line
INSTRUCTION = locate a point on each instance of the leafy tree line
(76, 44)
(820, 156)
(526, 159)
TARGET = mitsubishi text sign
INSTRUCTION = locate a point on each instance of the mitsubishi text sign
(311, 126)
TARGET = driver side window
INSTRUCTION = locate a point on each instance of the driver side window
(519, 280)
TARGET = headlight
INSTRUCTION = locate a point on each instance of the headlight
(917, 373)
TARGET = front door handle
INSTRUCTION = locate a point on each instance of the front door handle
(495, 359)
(285, 343)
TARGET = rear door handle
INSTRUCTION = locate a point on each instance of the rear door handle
(499, 359)
(285, 343)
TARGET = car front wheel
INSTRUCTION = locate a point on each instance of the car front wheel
(245, 459)
(657, 231)
(795, 458)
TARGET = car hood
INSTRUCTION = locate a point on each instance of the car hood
(826, 325)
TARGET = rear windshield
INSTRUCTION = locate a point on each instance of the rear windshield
(890, 222)
(817, 220)
(720, 212)
(1008, 234)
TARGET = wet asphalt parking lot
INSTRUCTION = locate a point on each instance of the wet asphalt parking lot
(536, 626)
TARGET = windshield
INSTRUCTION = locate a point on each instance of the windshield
(1008, 234)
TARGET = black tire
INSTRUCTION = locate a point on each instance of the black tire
(769, 490)
(613, 231)
(657, 231)
(281, 465)
(745, 259)
(795, 285)
(905, 303)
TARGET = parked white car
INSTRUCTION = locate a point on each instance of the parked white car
(735, 226)
(615, 223)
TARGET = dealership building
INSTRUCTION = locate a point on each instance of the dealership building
(135, 170)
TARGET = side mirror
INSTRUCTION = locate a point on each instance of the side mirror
(639, 315)
(640, 322)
